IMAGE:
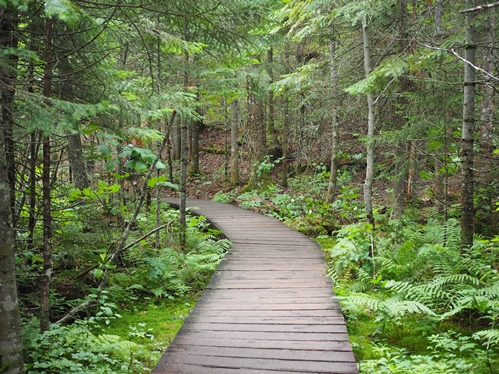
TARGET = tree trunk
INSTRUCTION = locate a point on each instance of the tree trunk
(285, 127)
(400, 147)
(77, 162)
(335, 141)
(194, 149)
(11, 349)
(271, 106)
(227, 129)
(234, 135)
(488, 177)
(8, 79)
(183, 164)
(256, 130)
(176, 140)
(368, 184)
(468, 132)
(46, 204)
(285, 144)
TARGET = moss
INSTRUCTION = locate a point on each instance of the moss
(153, 326)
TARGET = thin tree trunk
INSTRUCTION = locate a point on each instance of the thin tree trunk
(368, 184)
(234, 135)
(468, 132)
(194, 149)
(440, 179)
(271, 106)
(176, 140)
(183, 164)
(285, 142)
(227, 129)
(256, 129)
(335, 141)
(401, 169)
(46, 204)
(486, 165)
(285, 128)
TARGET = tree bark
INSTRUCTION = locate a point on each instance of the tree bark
(234, 135)
(11, 349)
(368, 184)
(487, 177)
(77, 162)
(335, 141)
(46, 203)
(183, 164)
(8, 79)
(271, 106)
(468, 132)
(256, 130)
(401, 169)
(194, 149)
(285, 127)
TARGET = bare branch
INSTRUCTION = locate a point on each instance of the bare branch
(480, 8)
(463, 59)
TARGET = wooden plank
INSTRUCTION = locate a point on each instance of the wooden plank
(265, 335)
(269, 313)
(264, 364)
(339, 320)
(169, 368)
(257, 327)
(337, 346)
(279, 354)
(268, 308)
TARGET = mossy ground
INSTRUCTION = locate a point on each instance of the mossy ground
(153, 326)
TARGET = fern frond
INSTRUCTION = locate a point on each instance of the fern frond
(490, 336)
(397, 307)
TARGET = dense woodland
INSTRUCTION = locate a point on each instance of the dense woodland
(369, 125)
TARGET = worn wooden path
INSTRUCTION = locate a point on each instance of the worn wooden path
(267, 309)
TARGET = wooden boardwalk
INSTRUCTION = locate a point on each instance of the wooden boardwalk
(267, 309)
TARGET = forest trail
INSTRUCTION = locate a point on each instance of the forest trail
(267, 309)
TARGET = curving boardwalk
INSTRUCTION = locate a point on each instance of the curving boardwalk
(267, 309)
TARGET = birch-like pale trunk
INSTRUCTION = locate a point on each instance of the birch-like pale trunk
(468, 131)
(368, 185)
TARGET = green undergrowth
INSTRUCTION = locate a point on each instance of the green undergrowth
(131, 341)
(127, 326)
(152, 326)
(413, 300)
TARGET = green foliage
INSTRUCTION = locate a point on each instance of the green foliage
(75, 349)
(166, 272)
(419, 280)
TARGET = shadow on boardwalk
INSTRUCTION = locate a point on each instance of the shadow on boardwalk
(267, 309)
